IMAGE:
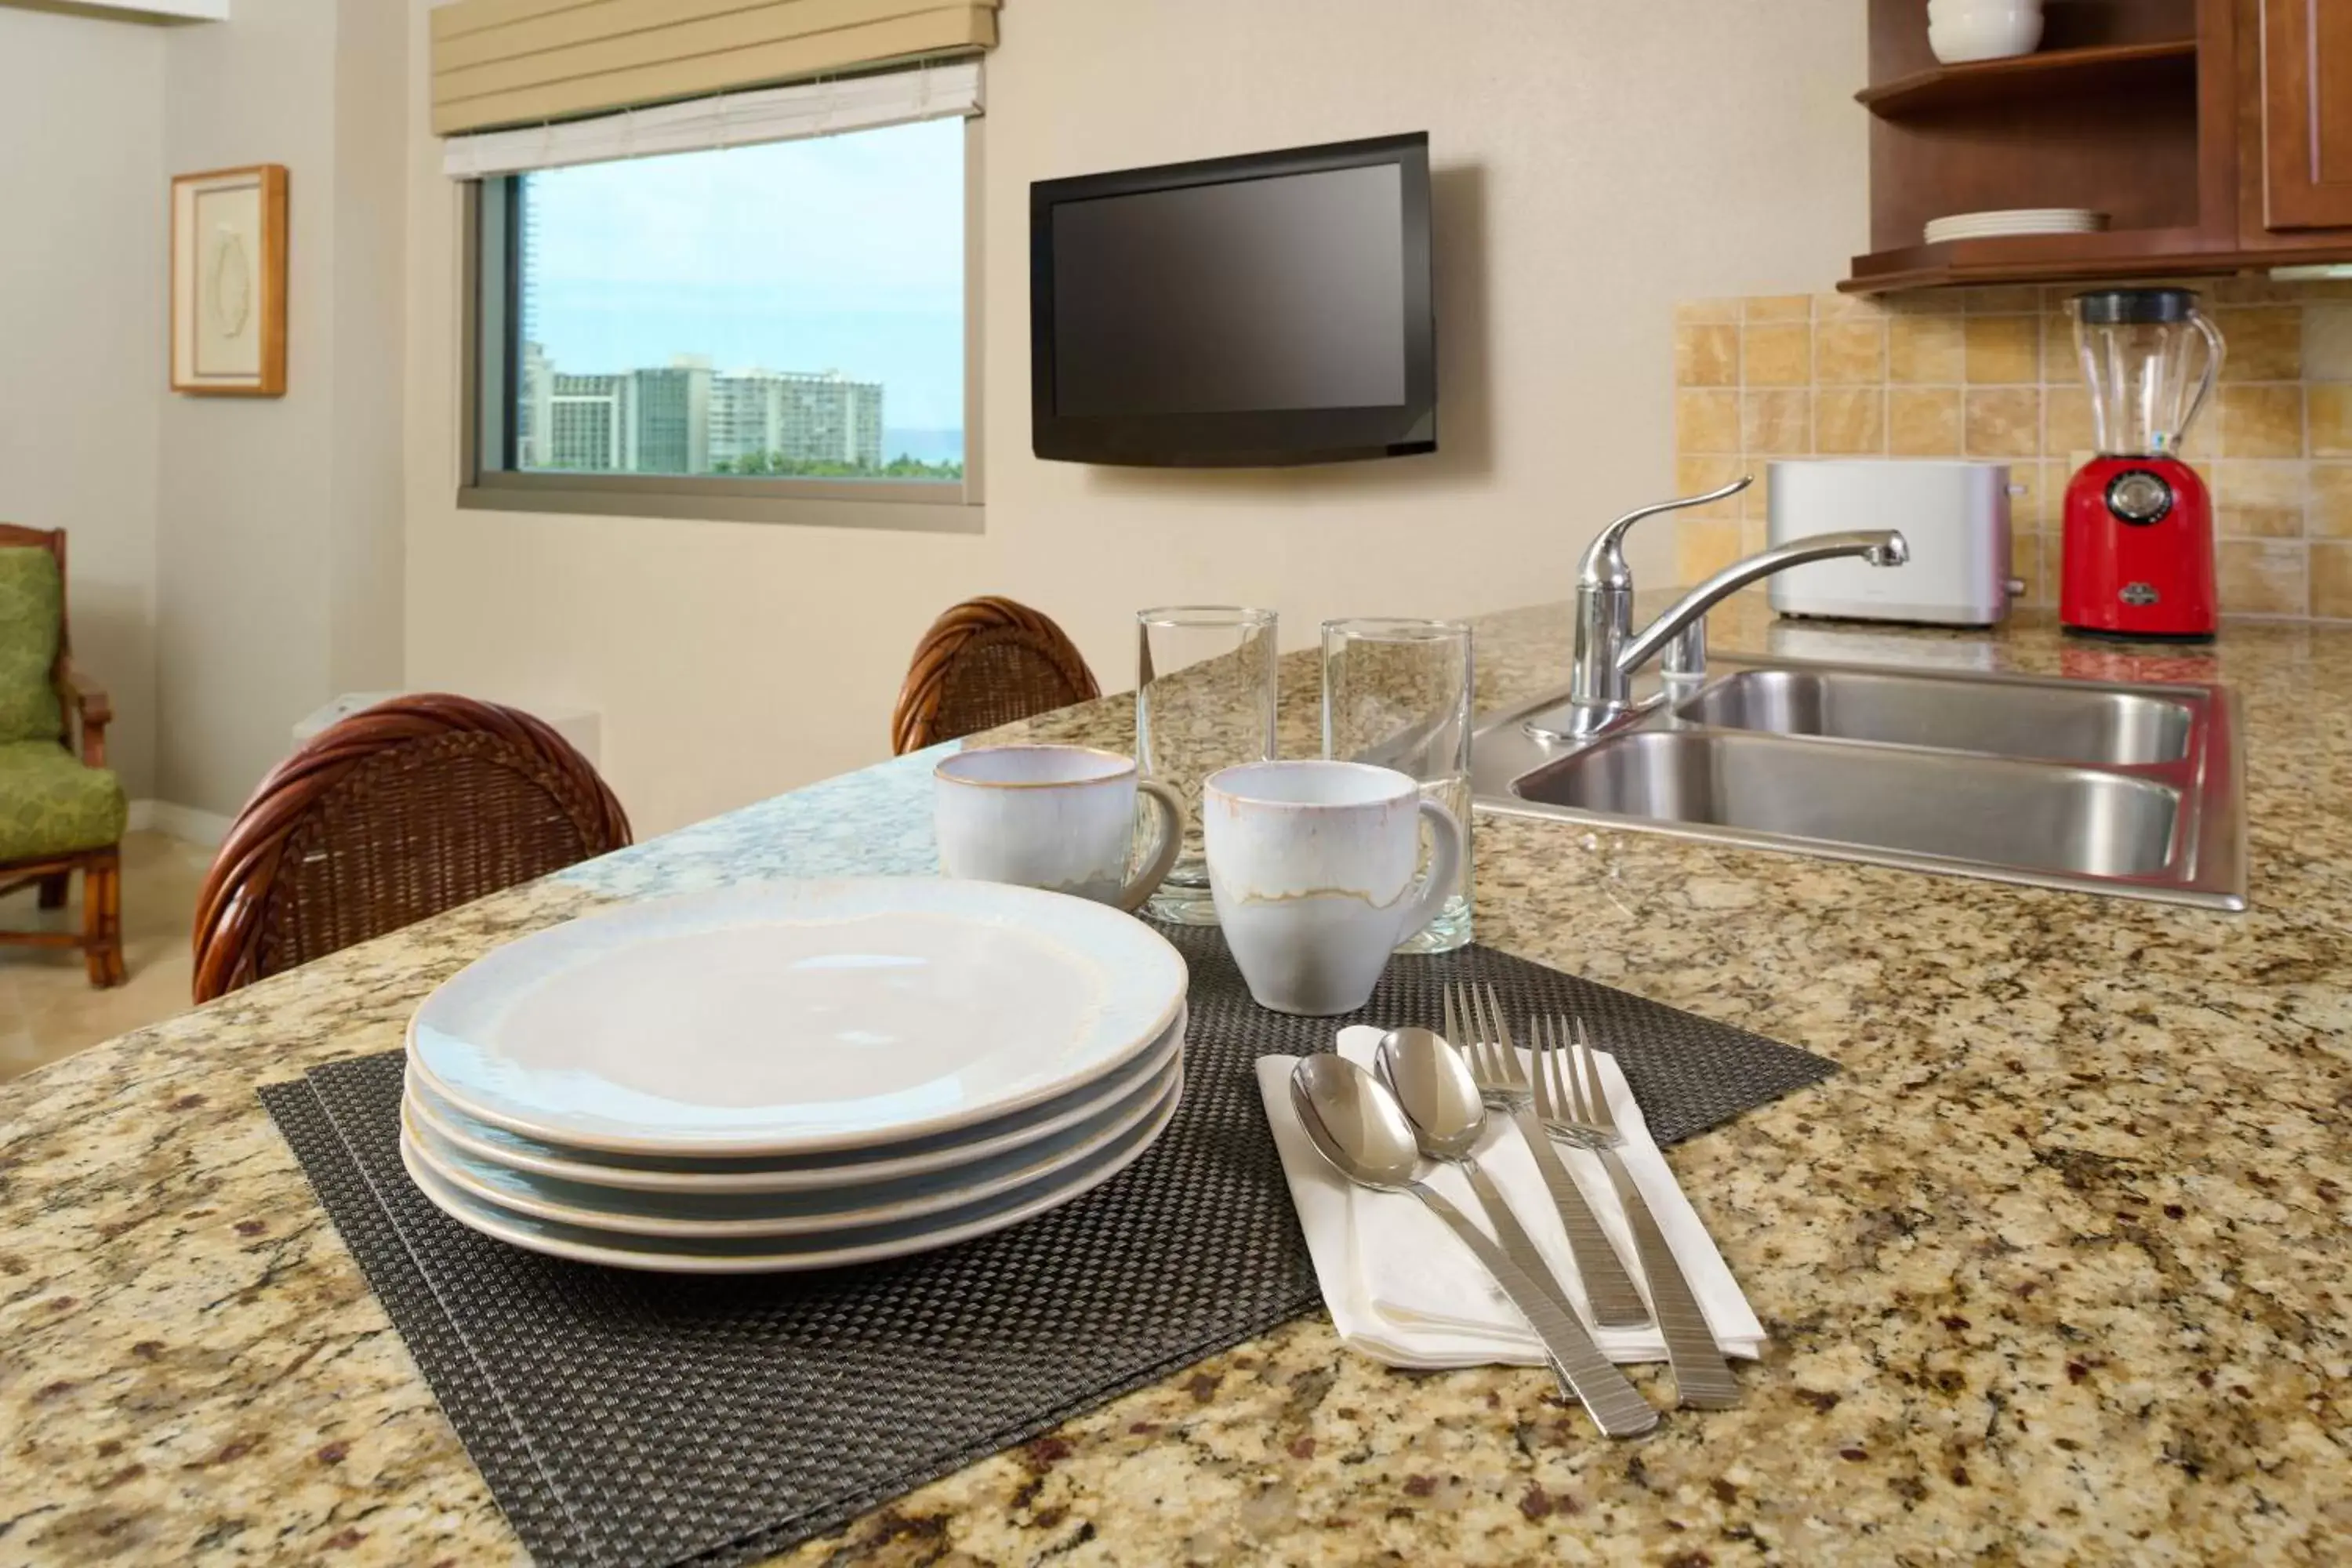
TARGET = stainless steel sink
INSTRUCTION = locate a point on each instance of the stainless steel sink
(2073, 820)
(2052, 721)
(2084, 785)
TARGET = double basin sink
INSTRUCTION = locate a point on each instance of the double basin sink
(2131, 790)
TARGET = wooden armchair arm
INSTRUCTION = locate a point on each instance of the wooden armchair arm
(88, 701)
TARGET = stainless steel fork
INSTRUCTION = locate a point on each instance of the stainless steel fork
(1495, 1063)
(1572, 1102)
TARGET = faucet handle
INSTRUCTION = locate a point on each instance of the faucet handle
(1604, 565)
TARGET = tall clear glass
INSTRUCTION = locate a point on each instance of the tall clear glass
(1204, 699)
(1398, 693)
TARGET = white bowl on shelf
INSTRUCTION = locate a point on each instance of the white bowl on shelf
(1962, 31)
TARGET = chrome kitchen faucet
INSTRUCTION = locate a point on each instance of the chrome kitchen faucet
(1609, 651)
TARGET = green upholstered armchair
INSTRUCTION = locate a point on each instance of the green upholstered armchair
(61, 808)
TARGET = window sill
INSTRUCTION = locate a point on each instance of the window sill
(723, 503)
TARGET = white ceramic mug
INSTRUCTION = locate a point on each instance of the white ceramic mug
(1311, 866)
(1056, 817)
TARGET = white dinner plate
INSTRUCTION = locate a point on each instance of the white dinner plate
(2014, 220)
(2023, 214)
(945, 1153)
(2020, 213)
(776, 1254)
(2006, 231)
(2020, 221)
(786, 1018)
(733, 1215)
(2000, 234)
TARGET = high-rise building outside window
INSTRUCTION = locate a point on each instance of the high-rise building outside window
(793, 311)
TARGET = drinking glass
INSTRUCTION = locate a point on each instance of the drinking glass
(1204, 699)
(1397, 693)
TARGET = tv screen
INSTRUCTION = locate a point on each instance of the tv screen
(1270, 309)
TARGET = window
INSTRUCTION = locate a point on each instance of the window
(733, 333)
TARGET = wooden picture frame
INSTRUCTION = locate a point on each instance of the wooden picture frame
(228, 282)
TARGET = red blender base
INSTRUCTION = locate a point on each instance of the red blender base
(2138, 551)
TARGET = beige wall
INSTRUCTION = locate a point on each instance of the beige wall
(277, 539)
(234, 562)
(365, 554)
(1593, 164)
(81, 334)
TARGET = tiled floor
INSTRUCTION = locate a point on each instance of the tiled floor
(47, 1007)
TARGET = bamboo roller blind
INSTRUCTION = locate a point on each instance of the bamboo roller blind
(510, 62)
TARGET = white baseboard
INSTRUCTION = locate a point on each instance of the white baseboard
(204, 829)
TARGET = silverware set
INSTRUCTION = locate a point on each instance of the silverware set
(1430, 1099)
(1573, 1107)
(1495, 1061)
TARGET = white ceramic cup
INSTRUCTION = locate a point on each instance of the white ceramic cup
(1311, 865)
(1056, 817)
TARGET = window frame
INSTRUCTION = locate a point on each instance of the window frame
(488, 480)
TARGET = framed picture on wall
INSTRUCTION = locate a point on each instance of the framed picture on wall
(228, 282)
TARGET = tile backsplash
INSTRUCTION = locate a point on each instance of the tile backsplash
(1991, 372)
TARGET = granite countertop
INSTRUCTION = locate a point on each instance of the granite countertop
(2055, 1270)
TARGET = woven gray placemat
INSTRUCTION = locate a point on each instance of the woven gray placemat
(461, 1384)
(621, 1417)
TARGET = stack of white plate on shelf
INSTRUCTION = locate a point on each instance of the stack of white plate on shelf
(793, 1075)
(2015, 220)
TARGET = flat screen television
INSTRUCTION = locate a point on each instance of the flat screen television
(1235, 312)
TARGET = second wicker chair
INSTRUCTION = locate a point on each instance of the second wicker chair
(407, 808)
(986, 662)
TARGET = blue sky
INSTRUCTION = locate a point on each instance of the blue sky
(840, 253)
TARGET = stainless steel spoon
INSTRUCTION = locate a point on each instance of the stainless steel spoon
(1356, 1125)
(1440, 1099)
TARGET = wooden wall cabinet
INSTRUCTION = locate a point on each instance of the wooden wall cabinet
(2217, 134)
(2306, 102)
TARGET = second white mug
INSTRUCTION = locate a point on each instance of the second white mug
(1311, 864)
(1056, 817)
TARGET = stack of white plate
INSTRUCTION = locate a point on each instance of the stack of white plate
(2015, 220)
(795, 1075)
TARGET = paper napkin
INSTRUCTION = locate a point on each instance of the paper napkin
(1402, 1287)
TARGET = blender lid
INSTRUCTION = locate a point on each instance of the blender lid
(2135, 306)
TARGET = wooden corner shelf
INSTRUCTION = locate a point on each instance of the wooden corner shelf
(2040, 258)
(2204, 128)
(2108, 69)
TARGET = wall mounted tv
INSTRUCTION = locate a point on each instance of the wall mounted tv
(1236, 312)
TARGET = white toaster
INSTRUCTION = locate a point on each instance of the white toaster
(1954, 516)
